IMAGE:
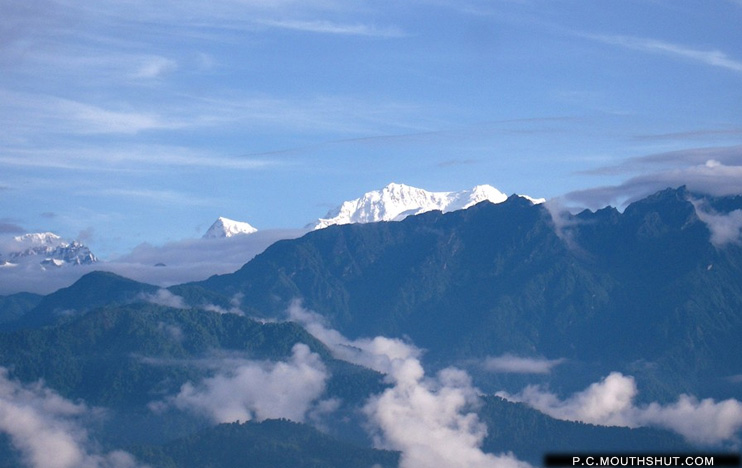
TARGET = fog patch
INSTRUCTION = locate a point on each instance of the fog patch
(184, 261)
(377, 353)
(610, 402)
(257, 390)
(510, 364)
(562, 220)
(47, 429)
(194, 259)
(725, 228)
(165, 298)
(174, 332)
(234, 306)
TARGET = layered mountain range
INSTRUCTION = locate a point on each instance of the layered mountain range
(502, 327)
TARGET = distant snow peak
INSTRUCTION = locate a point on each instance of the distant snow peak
(224, 227)
(52, 262)
(54, 250)
(397, 201)
(38, 239)
(535, 201)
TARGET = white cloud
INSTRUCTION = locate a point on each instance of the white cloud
(710, 177)
(377, 353)
(160, 197)
(328, 27)
(131, 158)
(258, 390)
(174, 332)
(605, 402)
(714, 58)
(45, 429)
(234, 306)
(165, 298)
(508, 363)
(430, 420)
(155, 67)
(703, 421)
(725, 228)
(33, 113)
(610, 402)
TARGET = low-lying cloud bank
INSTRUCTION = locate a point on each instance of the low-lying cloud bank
(47, 429)
(166, 265)
(610, 402)
(713, 171)
(166, 298)
(430, 420)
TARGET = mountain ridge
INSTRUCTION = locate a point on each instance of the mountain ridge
(518, 284)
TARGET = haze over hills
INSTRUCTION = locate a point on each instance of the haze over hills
(229, 247)
(506, 321)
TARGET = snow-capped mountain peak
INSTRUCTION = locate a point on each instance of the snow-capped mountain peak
(397, 201)
(38, 239)
(47, 245)
(224, 227)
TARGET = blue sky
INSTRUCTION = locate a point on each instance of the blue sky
(131, 121)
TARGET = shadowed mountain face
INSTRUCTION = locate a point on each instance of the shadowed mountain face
(93, 290)
(640, 289)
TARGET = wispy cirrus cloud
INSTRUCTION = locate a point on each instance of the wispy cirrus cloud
(155, 67)
(26, 113)
(694, 134)
(133, 158)
(329, 27)
(251, 16)
(156, 196)
(715, 58)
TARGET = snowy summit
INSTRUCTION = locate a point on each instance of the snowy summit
(397, 201)
(224, 227)
(54, 251)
